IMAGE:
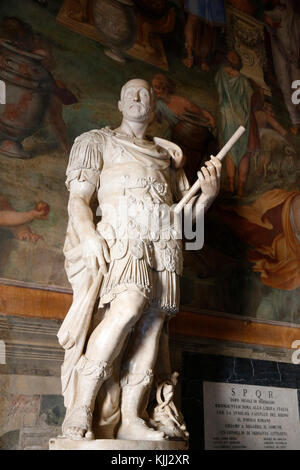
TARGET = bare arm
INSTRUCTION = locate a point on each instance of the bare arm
(79, 210)
(94, 249)
(12, 218)
(193, 108)
(276, 125)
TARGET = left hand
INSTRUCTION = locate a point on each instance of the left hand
(210, 175)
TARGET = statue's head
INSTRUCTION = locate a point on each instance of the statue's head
(136, 100)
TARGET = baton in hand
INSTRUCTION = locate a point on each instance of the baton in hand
(197, 185)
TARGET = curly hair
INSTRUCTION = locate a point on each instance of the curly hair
(233, 59)
(166, 82)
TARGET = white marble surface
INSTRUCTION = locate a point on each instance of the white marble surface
(132, 263)
(115, 444)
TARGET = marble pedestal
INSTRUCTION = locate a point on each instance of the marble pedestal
(115, 444)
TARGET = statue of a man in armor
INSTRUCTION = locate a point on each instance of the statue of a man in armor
(127, 271)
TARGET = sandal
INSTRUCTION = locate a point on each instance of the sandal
(82, 418)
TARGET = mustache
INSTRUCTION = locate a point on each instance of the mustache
(136, 104)
(141, 106)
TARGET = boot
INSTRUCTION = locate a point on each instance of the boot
(135, 394)
(90, 376)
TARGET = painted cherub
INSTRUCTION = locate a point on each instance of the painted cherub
(16, 222)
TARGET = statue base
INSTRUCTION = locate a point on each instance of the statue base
(61, 443)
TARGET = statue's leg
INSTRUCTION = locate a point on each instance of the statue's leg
(163, 367)
(90, 375)
(94, 367)
(137, 378)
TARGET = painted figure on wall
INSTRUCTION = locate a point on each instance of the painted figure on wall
(237, 97)
(277, 148)
(152, 22)
(190, 125)
(17, 222)
(283, 24)
(203, 20)
(271, 227)
(77, 63)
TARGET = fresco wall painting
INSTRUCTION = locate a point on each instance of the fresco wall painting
(212, 68)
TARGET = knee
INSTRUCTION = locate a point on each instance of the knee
(128, 308)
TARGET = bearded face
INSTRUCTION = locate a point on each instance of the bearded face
(136, 102)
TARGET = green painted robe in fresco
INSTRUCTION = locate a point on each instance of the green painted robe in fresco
(235, 95)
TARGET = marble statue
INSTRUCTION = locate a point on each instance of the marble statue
(125, 277)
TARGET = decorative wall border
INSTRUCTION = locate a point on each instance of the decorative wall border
(37, 303)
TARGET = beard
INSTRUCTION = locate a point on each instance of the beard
(137, 112)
